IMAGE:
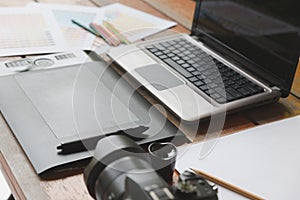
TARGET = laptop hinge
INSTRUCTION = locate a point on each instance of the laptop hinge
(197, 39)
(275, 88)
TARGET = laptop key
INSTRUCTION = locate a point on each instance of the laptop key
(180, 62)
(199, 83)
(221, 91)
(163, 57)
(221, 100)
(153, 50)
(191, 69)
(254, 89)
(180, 55)
(234, 93)
(203, 87)
(178, 68)
(175, 58)
(171, 55)
(166, 51)
(193, 79)
(191, 62)
(158, 53)
(244, 91)
(149, 47)
(176, 52)
(185, 65)
(185, 58)
(159, 47)
(196, 73)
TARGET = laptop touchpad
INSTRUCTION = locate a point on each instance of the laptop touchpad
(159, 77)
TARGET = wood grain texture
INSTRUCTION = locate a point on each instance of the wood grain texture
(11, 180)
(285, 108)
(72, 187)
(296, 83)
(25, 184)
(181, 10)
(5, 3)
(23, 181)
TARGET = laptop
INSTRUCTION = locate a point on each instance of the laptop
(238, 55)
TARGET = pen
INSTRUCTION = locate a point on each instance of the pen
(85, 144)
(85, 28)
(227, 185)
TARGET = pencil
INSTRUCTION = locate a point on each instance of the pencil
(85, 28)
(227, 185)
(116, 32)
(107, 36)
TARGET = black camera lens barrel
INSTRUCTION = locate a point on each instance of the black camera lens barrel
(111, 181)
(108, 150)
(122, 170)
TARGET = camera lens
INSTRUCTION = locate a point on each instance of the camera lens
(163, 157)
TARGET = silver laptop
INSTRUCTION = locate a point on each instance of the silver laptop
(238, 55)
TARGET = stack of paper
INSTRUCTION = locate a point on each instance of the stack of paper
(131, 25)
(28, 31)
(46, 28)
(76, 37)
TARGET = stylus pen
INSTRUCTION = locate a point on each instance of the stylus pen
(86, 144)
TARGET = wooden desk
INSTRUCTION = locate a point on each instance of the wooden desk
(23, 181)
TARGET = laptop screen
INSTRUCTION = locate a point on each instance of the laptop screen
(262, 35)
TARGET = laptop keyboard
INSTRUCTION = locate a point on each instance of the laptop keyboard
(211, 76)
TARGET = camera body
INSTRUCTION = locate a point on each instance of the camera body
(121, 169)
(189, 186)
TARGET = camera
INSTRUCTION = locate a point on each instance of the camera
(121, 169)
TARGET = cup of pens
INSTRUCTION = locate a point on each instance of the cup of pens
(163, 157)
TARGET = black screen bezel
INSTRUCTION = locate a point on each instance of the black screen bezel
(249, 66)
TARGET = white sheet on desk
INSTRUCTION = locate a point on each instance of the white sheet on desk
(132, 23)
(76, 37)
(29, 31)
(264, 160)
(4, 189)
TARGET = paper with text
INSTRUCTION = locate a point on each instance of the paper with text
(29, 31)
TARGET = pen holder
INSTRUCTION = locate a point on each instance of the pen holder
(163, 157)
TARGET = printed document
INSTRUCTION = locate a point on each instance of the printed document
(76, 37)
(29, 31)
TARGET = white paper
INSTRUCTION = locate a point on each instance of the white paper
(132, 23)
(29, 31)
(264, 160)
(4, 189)
(76, 37)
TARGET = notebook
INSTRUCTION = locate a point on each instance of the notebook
(238, 55)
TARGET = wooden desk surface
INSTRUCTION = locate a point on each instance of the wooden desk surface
(23, 181)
